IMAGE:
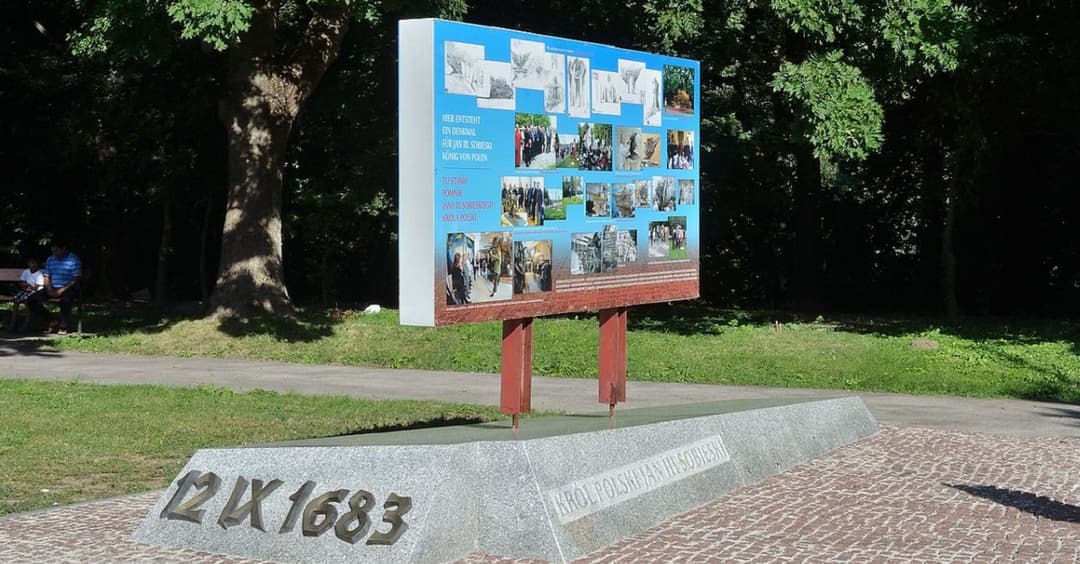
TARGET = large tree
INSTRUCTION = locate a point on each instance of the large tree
(276, 53)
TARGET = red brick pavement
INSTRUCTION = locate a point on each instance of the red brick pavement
(905, 495)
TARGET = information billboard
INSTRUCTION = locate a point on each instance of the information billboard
(541, 175)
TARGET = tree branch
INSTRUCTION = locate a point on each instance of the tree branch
(319, 47)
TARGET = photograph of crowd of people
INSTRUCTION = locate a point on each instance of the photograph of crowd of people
(680, 148)
(594, 252)
(566, 152)
(624, 198)
(597, 199)
(667, 239)
(630, 73)
(578, 70)
(463, 72)
(532, 267)
(686, 192)
(500, 92)
(522, 201)
(572, 190)
(642, 189)
(678, 90)
(478, 267)
(554, 209)
(594, 142)
(626, 246)
(606, 90)
(529, 63)
(535, 138)
(651, 151)
(652, 97)
(664, 193)
(629, 154)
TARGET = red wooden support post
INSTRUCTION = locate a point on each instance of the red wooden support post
(515, 395)
(613, 356)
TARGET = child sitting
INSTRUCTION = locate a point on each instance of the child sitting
(31, 281)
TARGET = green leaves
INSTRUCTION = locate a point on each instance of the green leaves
(925, 33)
(838, 104)
(218, 23)
(819, 19)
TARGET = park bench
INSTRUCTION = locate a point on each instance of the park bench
(11, 275)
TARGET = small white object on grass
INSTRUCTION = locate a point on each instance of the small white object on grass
(372, 309)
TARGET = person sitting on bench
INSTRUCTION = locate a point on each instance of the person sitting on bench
(63, 271)
(31, 281)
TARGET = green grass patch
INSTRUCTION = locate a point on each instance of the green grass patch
(66, 442)
(568, 162)
(555, 212)
(676, 253)
(573, 201)
(685, 342)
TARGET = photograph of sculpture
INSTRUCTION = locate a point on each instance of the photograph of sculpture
(629, 152)
(652, 97)
(535, 139)
(585, 253)
(597, 199)
(651, 149)
(624, 200)
(678, 90)
(606, 89)
(529, 63)
(532, 267)
(554, 208)
(686, 192)
(572, 190)
(500, 94)
(630, 73)
(463, 71)
(680, 149)
(626, 246)
(555, 83)
(522, 201)
(664, 196)
(609, 259)
(478, 267)
(643, 188)
(594, 146)
(578, 92)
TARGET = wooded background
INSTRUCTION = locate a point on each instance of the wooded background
(914, 156)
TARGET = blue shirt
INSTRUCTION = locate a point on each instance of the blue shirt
(61, 271)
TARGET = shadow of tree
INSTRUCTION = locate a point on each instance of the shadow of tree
(1064, 412)
(314, 326)
(12, 344)
(1040, 506)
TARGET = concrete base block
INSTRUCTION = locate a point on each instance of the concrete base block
(439, 494)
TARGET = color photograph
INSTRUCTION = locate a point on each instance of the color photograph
(677, 231)
(606, 88)
(532, 267)
(651, 149)
(659, 239)
(686, 192)
(664, 194)
(630, 72)
(626, 246)
(554, 209)
(597, 199)
(594, 142)
(463, 71)
(522, 201)
(478, 267)
(585, 253)
(643, 188)
(529, 63)
(535, 138)
(566, 153)
(500, 93)
(652, 97)
(572, 190)
(680, 149)
(609, 258)
(578, 71)
(624, 200)
(629, 153)
(678, 90)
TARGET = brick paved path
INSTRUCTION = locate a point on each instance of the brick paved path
(904, 495)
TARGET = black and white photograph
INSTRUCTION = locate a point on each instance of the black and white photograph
(643, 189)
(597, 199)
(595, 146)
(606, 89)
(652, 97)
(686, 192)
(630, 72)
(554, 208)
(651, 149)
(629, 152)
(609, 258)
(573, 190)
(500, 94)
(555, 84)
(535, 140)
(578, 92)
(585, 253)
(665, 194)
(522, 201)
(680, 149)
(623, 200)
(464, 73)
(626, 246)
(529, 63)
(532, 267)
(478, 267)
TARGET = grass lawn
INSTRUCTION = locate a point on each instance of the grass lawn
(568, 162)
(65, 442)
(677, 253)
(573, 200)
(684, 342)
(555, 212)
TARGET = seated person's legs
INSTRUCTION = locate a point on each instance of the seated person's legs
(66, 302)
(36, 305)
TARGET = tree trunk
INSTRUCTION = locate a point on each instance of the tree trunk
(948, 252)
(807, 285)
(262, 100)
(164, 250)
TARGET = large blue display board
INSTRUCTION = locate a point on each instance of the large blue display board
(548, 175)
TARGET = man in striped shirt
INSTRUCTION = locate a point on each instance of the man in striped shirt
(63, 271)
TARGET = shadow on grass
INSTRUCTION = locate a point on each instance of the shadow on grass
(1040, 506)
(429, 424)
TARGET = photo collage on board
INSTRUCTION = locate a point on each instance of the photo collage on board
(603, 162)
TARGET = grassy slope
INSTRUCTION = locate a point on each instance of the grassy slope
(684, 343)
